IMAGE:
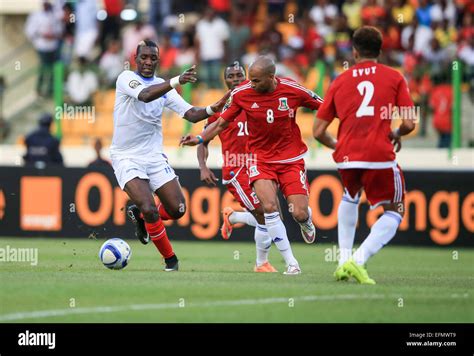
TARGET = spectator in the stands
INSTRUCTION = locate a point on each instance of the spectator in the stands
(87, 29)
(81, 84)
(186, 54)
(111, 63)
(99, 161)
(135, 33)
(112, 23)
(44, 30)
(42, 148)
(466, 54)
(212, 34)
(240, 35)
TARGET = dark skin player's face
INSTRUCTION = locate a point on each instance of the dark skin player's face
(147, 59)
(233, 77)
(260, 80)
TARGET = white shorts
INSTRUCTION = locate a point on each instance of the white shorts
(157, 173)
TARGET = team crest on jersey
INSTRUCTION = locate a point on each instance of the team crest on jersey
(227, 104)
(134, 83)
(253, 171)
(283, 104)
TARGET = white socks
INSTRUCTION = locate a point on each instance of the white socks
(347, 216)
(277, 232)
(263, 243)
(381, 233)
(243, 217)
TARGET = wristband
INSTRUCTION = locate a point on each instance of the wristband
(397, 132)
(209, 110)
(200, 139)
(174, 82)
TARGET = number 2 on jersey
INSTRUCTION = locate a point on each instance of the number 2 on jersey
(366, 89)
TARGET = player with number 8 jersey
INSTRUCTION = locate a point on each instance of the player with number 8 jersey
(275, 147)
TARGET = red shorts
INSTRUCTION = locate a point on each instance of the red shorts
(381, 186)
(240, 188)
(291, 177)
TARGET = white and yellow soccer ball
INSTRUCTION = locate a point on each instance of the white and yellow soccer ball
(115, 253)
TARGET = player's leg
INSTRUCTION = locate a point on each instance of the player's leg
(172, 206)
(384, 187)
(164, 182)
(266, 190)
(133, 179)
(347, 217)
(294, 185)
(239, 187)
(263, 242)
(144, 209)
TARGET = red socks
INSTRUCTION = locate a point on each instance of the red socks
(163, 214)
(159, 237)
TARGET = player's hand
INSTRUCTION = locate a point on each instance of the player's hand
(208, 177)
(217, 106)
(396, 140)
(188, 76)
(188, 140)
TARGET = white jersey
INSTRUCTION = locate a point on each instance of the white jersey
(137, 125)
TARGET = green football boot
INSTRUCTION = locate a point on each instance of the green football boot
(340, 274)
(358, 272)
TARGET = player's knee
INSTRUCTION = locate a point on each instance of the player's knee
(258, 214)
(177, 211)
(398, 208)
(149, 211)
(270, 207)
(300, 214)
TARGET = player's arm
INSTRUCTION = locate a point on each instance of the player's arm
(408, 117)
(156, 91)
(206, 174)
(326, 114)
(321, 135)
(212, 131)
(229, 114)
(196, 114)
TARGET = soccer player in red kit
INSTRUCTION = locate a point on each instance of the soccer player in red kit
(275, 147)
(363, 98)
(234, 176)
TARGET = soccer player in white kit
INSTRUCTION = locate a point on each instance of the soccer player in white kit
(137, 155)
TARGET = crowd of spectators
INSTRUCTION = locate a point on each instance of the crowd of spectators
(420, 37)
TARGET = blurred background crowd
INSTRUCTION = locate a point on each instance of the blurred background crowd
(310, 40)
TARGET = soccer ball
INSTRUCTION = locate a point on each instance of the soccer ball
(115, 253)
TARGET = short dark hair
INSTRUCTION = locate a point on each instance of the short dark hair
(145, 43)
(367, 40)
(235, 65)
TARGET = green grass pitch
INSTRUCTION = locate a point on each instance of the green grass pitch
(216, 283)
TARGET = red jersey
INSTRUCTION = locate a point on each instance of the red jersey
(234, 144)
(363, 98)
(274, 136)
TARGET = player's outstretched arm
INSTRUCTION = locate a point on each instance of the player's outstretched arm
(197, 114)
(320, 133)
(212, 131)
(207, 176)
(156, 91)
